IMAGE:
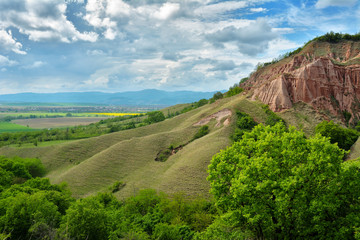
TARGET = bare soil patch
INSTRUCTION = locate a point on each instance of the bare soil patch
(218, 116)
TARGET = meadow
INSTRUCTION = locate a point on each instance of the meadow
(12, 127)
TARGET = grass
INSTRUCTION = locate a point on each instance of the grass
(12, 127)
(92, 165)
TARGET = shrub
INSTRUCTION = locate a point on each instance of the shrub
(344, 137)
(202, 132)
(154, 117)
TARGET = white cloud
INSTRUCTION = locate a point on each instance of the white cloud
(99, 82)
(106, 14)
(219, 8)
(167, 10)
(336, 3)
(8, 43)
(95, 52)
(36, 64)
(251, 40)
(257, 10)
(5, 61)
(42, 20)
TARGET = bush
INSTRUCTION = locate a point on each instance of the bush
(201, 132)
(234, 90)
(344, 137)
(154, 117)
(272, 118)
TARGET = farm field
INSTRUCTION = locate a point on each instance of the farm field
(12, 127)
(41, 123)
(43, 114)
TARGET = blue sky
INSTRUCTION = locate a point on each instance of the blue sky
(127, 45)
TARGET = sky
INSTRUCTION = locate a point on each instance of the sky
(129, 45)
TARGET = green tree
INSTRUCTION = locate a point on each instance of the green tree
(86, 219)
(344, 137)
(201, 132)
(154, 117)
(278, 184)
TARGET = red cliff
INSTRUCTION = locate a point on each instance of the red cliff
(324, 75)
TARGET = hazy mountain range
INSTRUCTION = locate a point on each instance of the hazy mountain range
(144, 97)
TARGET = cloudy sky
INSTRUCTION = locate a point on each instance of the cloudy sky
(126, 45)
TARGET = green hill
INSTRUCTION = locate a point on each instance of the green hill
(93, 164)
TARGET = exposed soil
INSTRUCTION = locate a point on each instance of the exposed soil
(218, 116)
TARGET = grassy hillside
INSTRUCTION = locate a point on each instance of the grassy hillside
(94, 164)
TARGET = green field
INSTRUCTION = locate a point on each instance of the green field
(12, 127)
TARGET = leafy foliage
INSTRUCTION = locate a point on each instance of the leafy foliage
(344, 137)
(216, 96)
(201, 132)
(333, 37)
(277, 184)
(234, 90)
(36, 209)
(272, 118)
(154, 117)
(244, 123)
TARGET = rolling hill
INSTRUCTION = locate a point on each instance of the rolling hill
(94, 164)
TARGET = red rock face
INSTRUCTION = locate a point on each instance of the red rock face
(317, 81)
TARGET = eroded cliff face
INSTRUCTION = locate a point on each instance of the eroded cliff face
(317, 81)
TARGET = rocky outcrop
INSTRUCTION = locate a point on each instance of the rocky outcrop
(318, 81)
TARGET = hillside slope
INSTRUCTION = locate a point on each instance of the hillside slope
(324, 75)
(92, 165)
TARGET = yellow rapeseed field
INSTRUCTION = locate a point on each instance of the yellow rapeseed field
(117, 114)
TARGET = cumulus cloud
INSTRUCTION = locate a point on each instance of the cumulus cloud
(167, 10)
(337, 3)
(42, 20)
(250, 40)
(219, 8)
(8, 43)
(225, 65)
(36, 64)
(257, 10)
(107, 14)
(5, 61)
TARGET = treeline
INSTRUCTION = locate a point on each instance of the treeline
(32, 116)
(32, 208)
(333, 37)
(330, 37)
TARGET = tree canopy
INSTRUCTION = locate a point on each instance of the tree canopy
(344, 137)
(278, 184)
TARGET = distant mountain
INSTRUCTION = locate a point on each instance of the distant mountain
(139, 98)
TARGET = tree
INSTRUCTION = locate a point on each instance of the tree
(201, 132)
(278, 184)
(86, 219)
(154, 117)
(216, 96)
(344, 137)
